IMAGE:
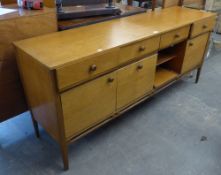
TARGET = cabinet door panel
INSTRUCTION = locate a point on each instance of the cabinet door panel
(194, 52)
(88, 104)
(135, 80)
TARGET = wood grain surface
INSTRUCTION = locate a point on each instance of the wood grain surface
(58, 49)
(15, 26)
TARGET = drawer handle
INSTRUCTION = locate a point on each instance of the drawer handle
(142, 48)
(176, 36)
(110, 80)
(139, 67)
(204, 26)
(93, 68)
(191, 44)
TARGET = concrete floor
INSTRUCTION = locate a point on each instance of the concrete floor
(176, 132)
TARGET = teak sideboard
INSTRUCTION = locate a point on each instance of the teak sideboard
(79, 79)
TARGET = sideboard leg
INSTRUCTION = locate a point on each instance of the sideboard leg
(35, 124)
(198, 74)
(64, 152)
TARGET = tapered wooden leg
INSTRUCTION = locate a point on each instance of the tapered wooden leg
(198, 74)
(35, 124)
(64, 152)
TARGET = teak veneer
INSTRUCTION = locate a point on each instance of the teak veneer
(77, 80)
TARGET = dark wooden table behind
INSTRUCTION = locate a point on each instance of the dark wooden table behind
(126, 11)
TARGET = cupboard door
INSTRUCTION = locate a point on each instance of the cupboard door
(194, 52)
(135, 80)
(88, 104)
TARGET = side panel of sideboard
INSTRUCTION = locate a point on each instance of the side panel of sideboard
(38, 83)
(46, 104)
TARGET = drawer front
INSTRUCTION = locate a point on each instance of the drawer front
(139, 49)
(203, 26)
(88, 104)
(174, 37)
(86, 69)
(135, 80)
(194, 52)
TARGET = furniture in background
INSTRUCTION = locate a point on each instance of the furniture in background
(153, 2)
(89, 9)
(168, 3)
(5, 2)
(126, 10)
(215, 6)
(47, 3)
(198, 4)
(18, 25)
(84, 77)
(195, 4)
(82, 2)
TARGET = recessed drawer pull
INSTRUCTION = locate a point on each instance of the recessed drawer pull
(176, 36)
(191, 44)
(110, 80)
(142, 48)
(204, 26)
(139, 67)
(93, 68)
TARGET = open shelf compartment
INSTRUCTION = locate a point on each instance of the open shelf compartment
(169, 64)
(164, 76)
(163, 57)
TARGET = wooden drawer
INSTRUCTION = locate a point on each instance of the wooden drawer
(139, 49)
(135, 80)
(88, 104)
(203, 26)
(174, 37)
(194, 52)
(86, 69)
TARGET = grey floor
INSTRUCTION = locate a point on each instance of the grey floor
(177, 132)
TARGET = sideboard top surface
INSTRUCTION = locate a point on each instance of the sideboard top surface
(61, 48)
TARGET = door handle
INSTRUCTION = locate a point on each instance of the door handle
(139, 67)
(142, 48)
(110, 80)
